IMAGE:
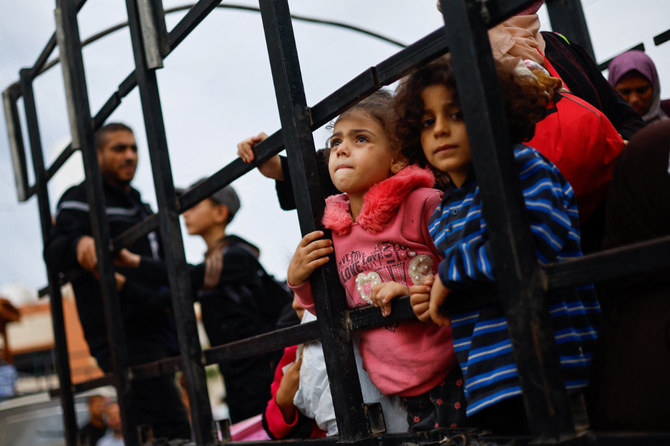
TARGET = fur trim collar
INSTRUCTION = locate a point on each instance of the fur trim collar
(380, 202)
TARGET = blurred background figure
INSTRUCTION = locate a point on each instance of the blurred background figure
(95, 429)
(114, 435)
(633, 74)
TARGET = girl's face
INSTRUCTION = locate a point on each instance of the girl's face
(360, 154)
(637, 91)
(443, 137)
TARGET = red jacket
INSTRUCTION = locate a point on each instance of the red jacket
(273, 420)
(584, 145)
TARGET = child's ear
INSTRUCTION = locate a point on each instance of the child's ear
(221, 213)
(398, 165)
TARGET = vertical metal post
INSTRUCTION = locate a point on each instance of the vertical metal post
(180, 282)
(81, 124)
(18, 152)
(154, 32)
(328, 294)
(567, 17)
(512, 244)
(56, 299)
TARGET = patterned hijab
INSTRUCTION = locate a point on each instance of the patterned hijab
(635, 60)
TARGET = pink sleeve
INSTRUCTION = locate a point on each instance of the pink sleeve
(304, 294)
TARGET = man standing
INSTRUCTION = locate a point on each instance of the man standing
(145, 308)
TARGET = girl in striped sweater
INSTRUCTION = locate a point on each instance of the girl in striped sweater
(433, 133)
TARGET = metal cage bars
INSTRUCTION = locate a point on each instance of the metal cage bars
(81, 128)
(147, 54)
(297, 122)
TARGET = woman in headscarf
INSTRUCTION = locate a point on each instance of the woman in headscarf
(633, 75)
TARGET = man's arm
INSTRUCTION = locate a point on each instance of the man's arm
(61, 250)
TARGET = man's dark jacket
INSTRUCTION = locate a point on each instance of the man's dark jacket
(146, 310)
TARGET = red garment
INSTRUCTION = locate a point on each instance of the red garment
(584, 145)
(274, 421)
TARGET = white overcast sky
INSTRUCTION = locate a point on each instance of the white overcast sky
(216, 89)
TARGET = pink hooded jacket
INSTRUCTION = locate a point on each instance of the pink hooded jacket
(389, 241)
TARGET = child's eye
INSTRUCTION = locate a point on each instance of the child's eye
(427, 122)
(457, 116)
(335, 142)
(361, 139)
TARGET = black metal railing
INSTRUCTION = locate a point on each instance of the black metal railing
(524, 282)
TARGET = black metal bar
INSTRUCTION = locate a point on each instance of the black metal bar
(425, 438)
(167, 366)
(619, 263)
(192, 18)
(358, 319)
(39, 66)
(61, 356)
(221, 178)
(263, 343)
(567, 17)
(41, 62)
(18, 152)
(255, 345)
(418, 53)
(517, 270)
(170, 231)
(128, 237)
(662, 38)
(369, 317)
(329, 297)
(83, 138)
(85, 386)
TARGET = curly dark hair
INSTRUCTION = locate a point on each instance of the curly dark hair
(525, 104)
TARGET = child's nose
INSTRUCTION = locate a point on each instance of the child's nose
(342, 149)
(441, 126)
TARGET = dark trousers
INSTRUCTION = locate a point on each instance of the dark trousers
(247, 383)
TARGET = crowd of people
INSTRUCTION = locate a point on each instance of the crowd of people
(407, 219)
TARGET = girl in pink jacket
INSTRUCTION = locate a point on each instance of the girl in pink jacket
(382, 247)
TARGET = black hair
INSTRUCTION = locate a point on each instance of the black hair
(101, 134)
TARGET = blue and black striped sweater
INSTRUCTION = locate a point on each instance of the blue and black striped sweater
(481, 339)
